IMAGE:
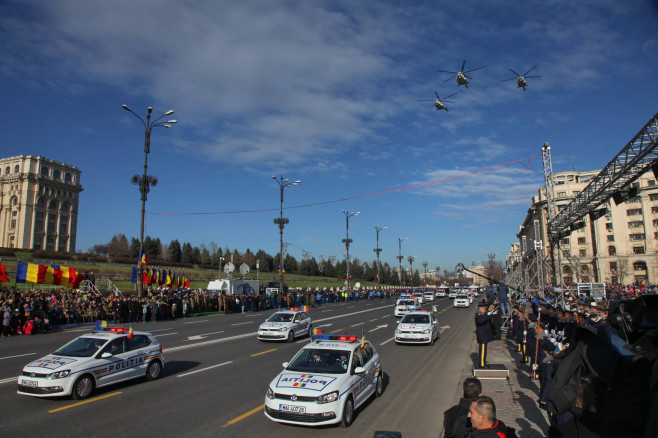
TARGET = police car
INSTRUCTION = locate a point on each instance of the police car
(417, 327)
(404, 305)
(461, 300)
(91, 361)
(285, 325)
(326, 381)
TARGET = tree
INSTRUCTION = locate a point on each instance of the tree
(266, 261)
(134, 248)
(175, 251)
(101, 249)
(118, 246)
(205, 255)
(196, 254)
(187, 255)
(215, 254)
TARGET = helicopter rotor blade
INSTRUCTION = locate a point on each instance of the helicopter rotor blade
(530, 70)
(514, 72)
(437, 95)
(531, 77)
(463, 65)
(448, 97)
(468, 71)
(511, 79)
(445, 71)
(449, 79)
(425, 100)
(449, 101)
(467, 76)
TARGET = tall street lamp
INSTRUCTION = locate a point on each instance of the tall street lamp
(411, 259)
(347, 242)
(146, 181)
(377, 251)
(425, 274)
(281, 222)
(401, 257)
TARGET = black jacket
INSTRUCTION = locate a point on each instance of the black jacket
(484, 331)
(456, 423)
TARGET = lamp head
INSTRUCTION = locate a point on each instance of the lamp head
(169, 112)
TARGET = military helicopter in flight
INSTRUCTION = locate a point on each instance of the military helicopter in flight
(462, 77)
(521, 79)
(439, 102)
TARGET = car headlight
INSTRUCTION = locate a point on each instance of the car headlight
(59, 374)
(398, 331)
(283, 329)
(270, 393)
(327, 398)
(426, 331)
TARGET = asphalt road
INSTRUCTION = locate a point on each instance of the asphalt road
(216, 374)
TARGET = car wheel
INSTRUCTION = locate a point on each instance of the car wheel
(379, 385)
(310, 332)
(83, 387)
(291, 335)
(154, 370)
(348, 412)
(431, 340)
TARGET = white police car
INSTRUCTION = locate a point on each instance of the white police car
(91, 361)
(285, 325)
(461, 300)
(404, 305)
(417, 327)
(326, 381)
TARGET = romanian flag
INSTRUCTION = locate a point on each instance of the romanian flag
(163, 277)
(53, 275)
(133, 276)
(305, 308)
(74, 278)
(363, 338)
(143, 258)
(168, 279)
(3, 274)
(30, 273)
(146, 278)
(131, 335)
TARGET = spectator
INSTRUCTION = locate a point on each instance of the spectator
(456, 421)
(482, 413)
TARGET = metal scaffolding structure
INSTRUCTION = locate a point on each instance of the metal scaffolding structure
(636, 158)
(554, 247)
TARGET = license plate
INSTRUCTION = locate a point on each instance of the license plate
(30, 383)
(295, 409)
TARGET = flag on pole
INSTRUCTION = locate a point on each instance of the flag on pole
(3, 274)
(131, 335)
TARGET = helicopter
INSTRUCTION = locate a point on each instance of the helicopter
(438, 103)
(461, 75)
(521, 79)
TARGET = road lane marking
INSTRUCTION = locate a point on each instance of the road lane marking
(242, 323)
(373, 320)
(84, 402)
(336, 331)
(17, 355)
(387, 341)
(263, 352)
(167, 334)
(324, 325)
(158, 330)
(245, 415)
(11, 379)
(202, 336)
(378, 327)
(360, 323)
(330, 310)
(350, 307)
(196, 322)
(204, 369)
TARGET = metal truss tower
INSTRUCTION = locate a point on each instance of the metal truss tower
(524, 263)
(554, 247)
(538, 259)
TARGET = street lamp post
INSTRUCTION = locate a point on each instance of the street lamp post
(411, 259)
(347, 242)
(281, 222)
(425, 274)
(400, 258)
(145, 181)
(377, 251)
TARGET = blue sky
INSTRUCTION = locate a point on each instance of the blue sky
(328, 93)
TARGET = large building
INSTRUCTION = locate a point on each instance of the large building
(38, 203)
(619, 246)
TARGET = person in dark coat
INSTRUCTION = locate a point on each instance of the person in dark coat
(456, 422)
(484, 333)
(519, 328)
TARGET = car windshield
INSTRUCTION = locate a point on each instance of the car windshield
(313, 360)
(407, 302)
(462, 296)
(281, 317)
(415, 319)
(81, 347)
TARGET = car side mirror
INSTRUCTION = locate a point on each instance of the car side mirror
(106, 355)
(359, 370)
(285, 364)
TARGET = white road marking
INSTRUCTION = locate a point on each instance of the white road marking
(196, 322)
(17, 355)
(167, 334)
(158, 330)
(9, 380)
(378, 327)
(242, 323)
(360, 323)
(204, 343)
(202, 336)
(349, 307)
(387, 341)
(204, 369)
(324, 325)
(330, 310)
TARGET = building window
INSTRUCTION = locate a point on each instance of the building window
(16, 168)
(638, 250)
(613, 266)
(633, 212)
(581, 241)
(635, 224)
(583, 253)
(653, 197)
(37, 243)
(61, 245)
(53, 205)
(13, 224)
(635, 199)
(608, 227)
(639, 266)
(655, 222)
(612, 250)
(654, 209)
(63, 228)
(7, 170)
(51, 226)
(39, 215)
(651, 182)
(50, 245)
(638, 236)
(565, 241)
(44, 171)
(38, 225)
(566, 252)
(67, 178)
(561, 194)
(56, 175)
(611, 237)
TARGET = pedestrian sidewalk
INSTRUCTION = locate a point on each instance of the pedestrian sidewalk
(516, 397)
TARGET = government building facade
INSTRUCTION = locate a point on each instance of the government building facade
(38, 203)
(619, 245)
